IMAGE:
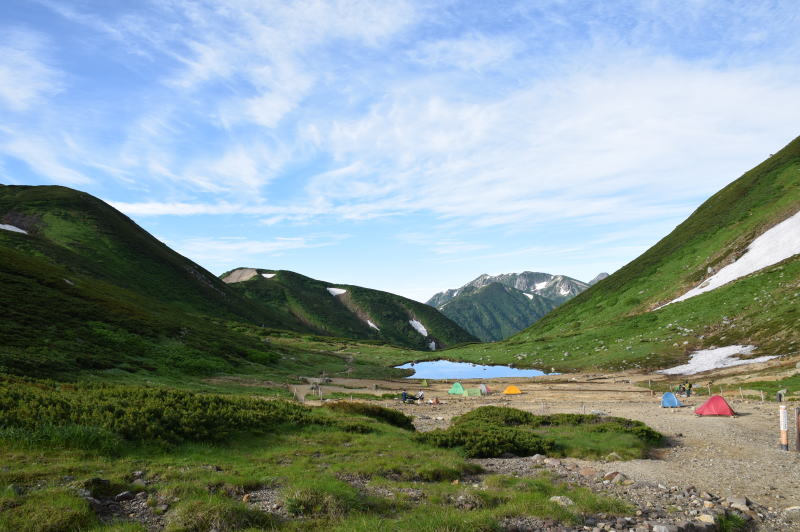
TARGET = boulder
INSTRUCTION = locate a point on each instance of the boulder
(124, 496)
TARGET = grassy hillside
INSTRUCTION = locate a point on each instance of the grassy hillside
(88, 237)
(348, 314)
(88, 292)
(614, 324)
(495, 312)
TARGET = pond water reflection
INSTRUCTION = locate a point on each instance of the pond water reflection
(445, 369)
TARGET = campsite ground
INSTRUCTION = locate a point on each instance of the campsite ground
(724, 456)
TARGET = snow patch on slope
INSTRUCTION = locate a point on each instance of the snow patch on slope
(563, 291)
(721, 357)
(775, 245)
(529, 296)
(540, 286)
(267, 275)
(372, 325)
(418, 327)
(336, 291)
(432, 346)
(13, 228)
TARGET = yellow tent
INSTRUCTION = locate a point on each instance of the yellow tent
(511, 390)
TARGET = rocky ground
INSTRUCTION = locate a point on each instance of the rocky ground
(711, 466)
(732, 458)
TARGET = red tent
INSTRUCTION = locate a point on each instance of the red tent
(715, 406)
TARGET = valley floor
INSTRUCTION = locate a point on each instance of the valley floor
(724, 456)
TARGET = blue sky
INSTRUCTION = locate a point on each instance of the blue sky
(400, 145)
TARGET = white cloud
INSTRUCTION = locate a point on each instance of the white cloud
(26, 79)
(472, 52)
(42, 156)
(623, 140)
(237, 251)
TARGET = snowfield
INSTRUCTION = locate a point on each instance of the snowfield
(419, 327)
(336, 291)
(539, 286)
(722, 357)
(13, 228)
(267, 275)
(372, 325)
(776, 244)
(529, 296)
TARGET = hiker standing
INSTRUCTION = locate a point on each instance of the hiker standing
(403, 396)
(688, 389)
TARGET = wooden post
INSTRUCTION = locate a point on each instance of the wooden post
(762, 395)
(709, 389)
(740, 393)
(784, 420)
(797, 428)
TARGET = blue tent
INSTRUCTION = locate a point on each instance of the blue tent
(668, 400)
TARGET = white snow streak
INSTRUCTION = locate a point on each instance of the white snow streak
(267, 275)
(539, 286)
(563, 291)
(776, 244)
(722, 357)
(419, 327)
(529, 296)
(432, 346)
(372, 325)
(336, 291)
(13, 228)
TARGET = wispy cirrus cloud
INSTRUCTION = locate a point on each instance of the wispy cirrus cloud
(26, 77)
(480, 126)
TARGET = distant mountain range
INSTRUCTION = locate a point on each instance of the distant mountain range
(727, 277)
(493, 307)
(347, 311)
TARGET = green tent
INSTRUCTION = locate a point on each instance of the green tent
(473, 392)
(456, 389)
(424, 383)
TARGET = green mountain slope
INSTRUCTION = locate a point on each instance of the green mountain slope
(616, 324)
(495, 311)
(86, 236)
(84, 289)
(349, 313)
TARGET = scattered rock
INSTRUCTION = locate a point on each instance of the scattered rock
(706, 518)
(562, 500)
(124, 496)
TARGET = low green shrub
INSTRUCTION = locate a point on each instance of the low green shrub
(484, 440)
(491, 431)
(322, 497)
(387, 415)
(217, 512)
(63, 437)
(82, 414)
(47, 511)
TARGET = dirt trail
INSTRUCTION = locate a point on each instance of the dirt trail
(725, 456)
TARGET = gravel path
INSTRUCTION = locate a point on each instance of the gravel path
(730, 457)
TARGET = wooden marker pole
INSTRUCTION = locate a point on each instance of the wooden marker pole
(709, 390)
(797, 428)
(784, 428)
(741, 394)
(762, 396)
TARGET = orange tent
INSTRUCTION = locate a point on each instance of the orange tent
(511, 390)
